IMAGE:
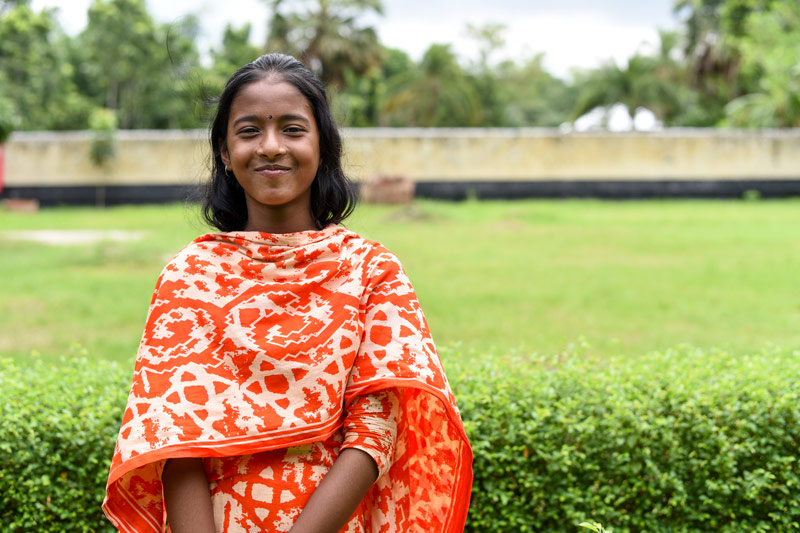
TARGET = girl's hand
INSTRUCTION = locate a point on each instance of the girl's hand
(338, 495)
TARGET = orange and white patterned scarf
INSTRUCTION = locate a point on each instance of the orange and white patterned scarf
(259, 341)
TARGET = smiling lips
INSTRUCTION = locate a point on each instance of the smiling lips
(272, 171)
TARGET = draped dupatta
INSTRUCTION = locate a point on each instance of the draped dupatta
(258, 341)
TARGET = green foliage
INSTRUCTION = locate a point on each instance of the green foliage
(140, 69)
(486, 83)
(57, 432)
(742, 60)
(359, 102)
(597, 527)
(103, 125)
(327, 35)
(9, 120)
(770, 51)
(35, 71)
(680, 441)
(121, 61)
(531, 96)
(438, 93)
(711, 29)
(234, 51)
(731, 63)
(655, 81)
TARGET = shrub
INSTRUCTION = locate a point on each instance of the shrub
(58, 426)
(686, 440)
(103, 125)
(681, 441)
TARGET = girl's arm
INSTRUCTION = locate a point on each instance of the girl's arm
(337, 496)
(370, 429)
(187, 496)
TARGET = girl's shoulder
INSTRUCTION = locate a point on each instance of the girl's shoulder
(372, 251)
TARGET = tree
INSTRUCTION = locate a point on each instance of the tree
(139, 69)
(652, 81)
(360, 103)
(485, 81)
(35, 72)
(531, 96)
(708, 47)
(438, 93)
(490, 40)
(327, 37)
(8, 123)
(770, 53)
(714, 29)
(235, 50)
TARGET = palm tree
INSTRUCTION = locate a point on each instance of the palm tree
(713, 32)
(437, 93)
(649, 81)
(327, 36)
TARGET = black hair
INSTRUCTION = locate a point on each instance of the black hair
(333, 195)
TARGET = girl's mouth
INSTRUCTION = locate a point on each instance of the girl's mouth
(272, 171)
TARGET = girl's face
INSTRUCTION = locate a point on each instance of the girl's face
(273, 150)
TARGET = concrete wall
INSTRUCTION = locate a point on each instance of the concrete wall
(430, 155)
(142, 158)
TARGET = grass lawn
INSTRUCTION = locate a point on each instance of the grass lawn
(628, 277)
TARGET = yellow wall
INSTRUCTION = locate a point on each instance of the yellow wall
(142, 157)
(179, 157)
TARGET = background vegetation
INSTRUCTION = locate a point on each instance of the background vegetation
(626, 277)
(731, 63)
(680, 441)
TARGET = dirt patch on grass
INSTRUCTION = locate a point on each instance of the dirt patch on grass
(409, 213)
(510, 225)
(67, 237)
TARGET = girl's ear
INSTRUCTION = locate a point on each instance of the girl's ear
(223, 154)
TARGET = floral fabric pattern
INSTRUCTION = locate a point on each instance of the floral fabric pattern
(257, 342)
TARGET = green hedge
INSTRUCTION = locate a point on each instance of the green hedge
(58, 426)
(681, 441)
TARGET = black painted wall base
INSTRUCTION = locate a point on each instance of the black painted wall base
(105, 196)
(447, 190)
(606, 189)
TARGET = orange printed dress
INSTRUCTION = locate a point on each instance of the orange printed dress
(258, 349)
(267, 491)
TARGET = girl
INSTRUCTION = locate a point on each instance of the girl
(286, 379)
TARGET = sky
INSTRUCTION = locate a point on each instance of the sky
(571, 33)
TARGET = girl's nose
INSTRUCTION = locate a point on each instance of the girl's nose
(271, 145)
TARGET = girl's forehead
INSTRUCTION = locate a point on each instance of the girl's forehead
(271, 91)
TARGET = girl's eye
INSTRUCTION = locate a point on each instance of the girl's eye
(247, 131)
(294, 129)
